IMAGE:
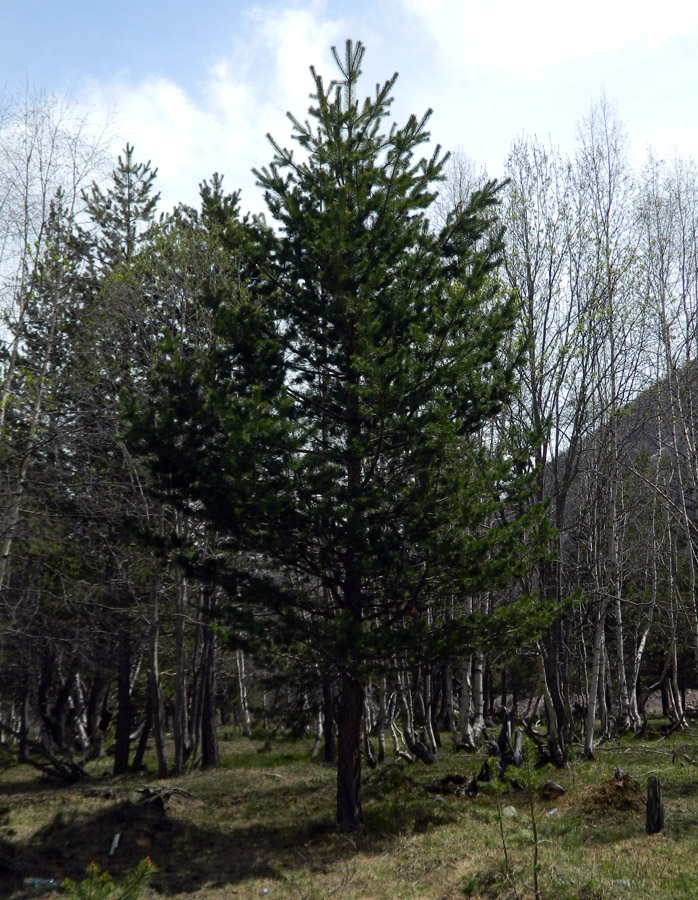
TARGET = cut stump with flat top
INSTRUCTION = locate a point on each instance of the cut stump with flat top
(655, 806)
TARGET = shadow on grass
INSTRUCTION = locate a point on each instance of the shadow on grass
(187, 855)
(16, 790)
(676, 785)
(192, 850)
(237, 828)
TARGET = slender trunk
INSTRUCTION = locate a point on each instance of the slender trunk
(80, 713)
(366, 727)
(595, 678)
(465, 704)
(195, 697)
(623, 723)
(154, 688)
(137, 762)
(634, 710)
(406, 713)
(209, 733)
(608, 589)
(242, 693)
(22, 753)
(319, 728)
(556, 682)
(688, 472)
(606, 703)
(557, 753)
(59, 713)
(415, 746)
(351, 697)
(429, 712)
(382, 717)
(478, 697)
(446, 719)
(180, 723)
(328, 720)
(124, 712)
(675, 698)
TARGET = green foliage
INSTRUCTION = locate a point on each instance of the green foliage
(123, 211)
(339, 426)
(337, 429)
(98, 885)
(469, 885)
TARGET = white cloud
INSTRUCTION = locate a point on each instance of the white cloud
(241, 99)
(292, 39)
(523, 37)
(540, 78)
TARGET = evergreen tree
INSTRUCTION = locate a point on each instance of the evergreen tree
(109, 345)
(122, 212)
(337, 432)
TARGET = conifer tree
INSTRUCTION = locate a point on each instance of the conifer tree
(122, 212)
(107, 351)
(336, 432)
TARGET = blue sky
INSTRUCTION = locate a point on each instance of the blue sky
(195, 87)
(62, 42)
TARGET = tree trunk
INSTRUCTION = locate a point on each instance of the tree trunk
(180, 724)
(350, 713)
(555, 748)
(195, 699)
(445, 720)
(242, 694)
(556, 682)
(22, 753)
(595, 679)
(415, 746)
(623, 723)
(655, 807)
(137, 762)
(382, 717)
(366, 729)
(424, 706)
(330, 745)
(603, 693)
(478, 697)
(209, 735)
(123, 692)
(465, 703)
(154, 688)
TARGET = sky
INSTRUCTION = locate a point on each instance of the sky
(195, 87)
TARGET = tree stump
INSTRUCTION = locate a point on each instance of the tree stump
(655, 807)
(483, 775)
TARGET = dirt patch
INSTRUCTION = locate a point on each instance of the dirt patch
(451, 783)
(620, 793)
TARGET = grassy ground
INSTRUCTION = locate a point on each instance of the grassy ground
(261, 826)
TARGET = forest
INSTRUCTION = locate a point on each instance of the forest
(411, 454)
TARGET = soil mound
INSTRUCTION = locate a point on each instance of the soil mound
(620, 793)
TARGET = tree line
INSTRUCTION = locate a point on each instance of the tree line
(415, 453)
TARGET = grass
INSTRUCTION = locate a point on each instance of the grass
(261, 826)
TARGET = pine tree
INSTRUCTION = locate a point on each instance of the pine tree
(122, 213)
(108, 349)
(336, 434)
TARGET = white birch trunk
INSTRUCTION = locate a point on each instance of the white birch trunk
(242, 693)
